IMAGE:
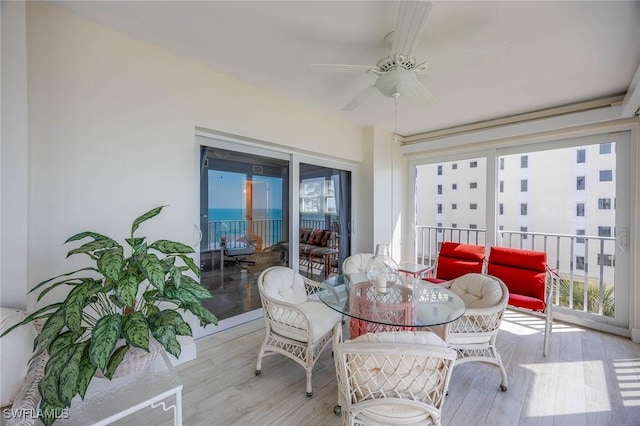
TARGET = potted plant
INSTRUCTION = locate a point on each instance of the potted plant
(124, 297)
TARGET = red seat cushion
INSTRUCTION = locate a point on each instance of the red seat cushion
(435, 280)
(524, 274)
(456, 260)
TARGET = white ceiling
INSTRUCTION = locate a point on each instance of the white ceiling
(487, 59)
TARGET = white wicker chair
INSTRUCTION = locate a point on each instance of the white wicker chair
(473, 335)
(356, 263)
(392, 378)
(298, 326)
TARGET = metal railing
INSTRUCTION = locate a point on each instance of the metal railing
(580, 286)
(269, 230)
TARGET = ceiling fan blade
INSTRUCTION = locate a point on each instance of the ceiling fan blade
(363, 69)
(410, 22)
(420, 94)
(360, 98)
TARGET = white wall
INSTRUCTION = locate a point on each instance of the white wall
(13, 153)
(111, 134)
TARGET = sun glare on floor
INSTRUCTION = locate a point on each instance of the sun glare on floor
(628, 377)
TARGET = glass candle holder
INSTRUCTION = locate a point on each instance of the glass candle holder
(382, 270)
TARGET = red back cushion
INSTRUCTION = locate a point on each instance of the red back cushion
(523, 271)
(305, 233)
(326, 237)
(316, 237)
(456, 260)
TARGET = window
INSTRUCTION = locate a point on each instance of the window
(501, 208)
(604, 231)
(454, 206)
(604, 203)
(439, 189)
(473, 185)
(580, 182)
(581, 155)
(454, 225)
(606, 175)
(501, 228)
(580, 209)
(502, 163)
(524, 161)
(523, 209)
(524, 229)
(473, 206)
(439, 208)
(473, 164)
(605, 148)
(501, 186)
(606, 260)
(439, 170)
(523, 185)
(580, 262)
(439, 225)
(454, 186)
(472, 226)
(580, 232)
(454, 166)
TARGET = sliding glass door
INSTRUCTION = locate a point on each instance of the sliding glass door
(243, 219)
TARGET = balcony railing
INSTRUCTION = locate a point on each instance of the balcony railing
(269, 230)
(570, 256)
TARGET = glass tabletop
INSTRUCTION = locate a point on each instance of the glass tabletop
(410, 303)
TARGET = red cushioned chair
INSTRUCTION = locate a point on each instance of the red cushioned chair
(526, 274)
(456, 260)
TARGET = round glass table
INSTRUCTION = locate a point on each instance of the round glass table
(406, 305)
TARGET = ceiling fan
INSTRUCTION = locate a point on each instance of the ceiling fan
(397, 72)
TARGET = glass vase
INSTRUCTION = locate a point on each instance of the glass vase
(382, 270)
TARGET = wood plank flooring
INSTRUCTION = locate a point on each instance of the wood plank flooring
(588, 378)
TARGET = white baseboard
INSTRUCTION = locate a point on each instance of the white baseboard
(188, 353)
(635, 335)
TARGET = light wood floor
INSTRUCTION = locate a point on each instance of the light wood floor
(588, 378)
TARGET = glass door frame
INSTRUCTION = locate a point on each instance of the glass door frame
(265, 149)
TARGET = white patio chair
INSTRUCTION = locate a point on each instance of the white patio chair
(356, 263)
(298, 326)
(473, 335)
(392, 378)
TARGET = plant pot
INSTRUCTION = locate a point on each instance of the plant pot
(135, 359)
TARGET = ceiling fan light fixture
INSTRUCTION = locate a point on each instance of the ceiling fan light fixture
(398, 81)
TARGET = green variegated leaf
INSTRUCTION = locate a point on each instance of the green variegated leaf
(167, 338)
(152, 309)
(114, 299)
(135, 242)
(86, 370)
(75, 303)
(136, 330)
(82, 235)
(70, 281)
(127, 289)
(69, 375)
(195, 288)
(93, 246)
(103, 339)
(115, 361)
(180, 294)
(48, 413)
(176, 276)
(202, 313)
(62, 342)
(48, 386)
(171, 247)
(164, 318)
(111, 262)
(191, 264)
(148, 215)
(40, 313)
(51, 328)
(45, 282)
(168, 263)
(183, 329)
(152, 270)
(140, 250)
